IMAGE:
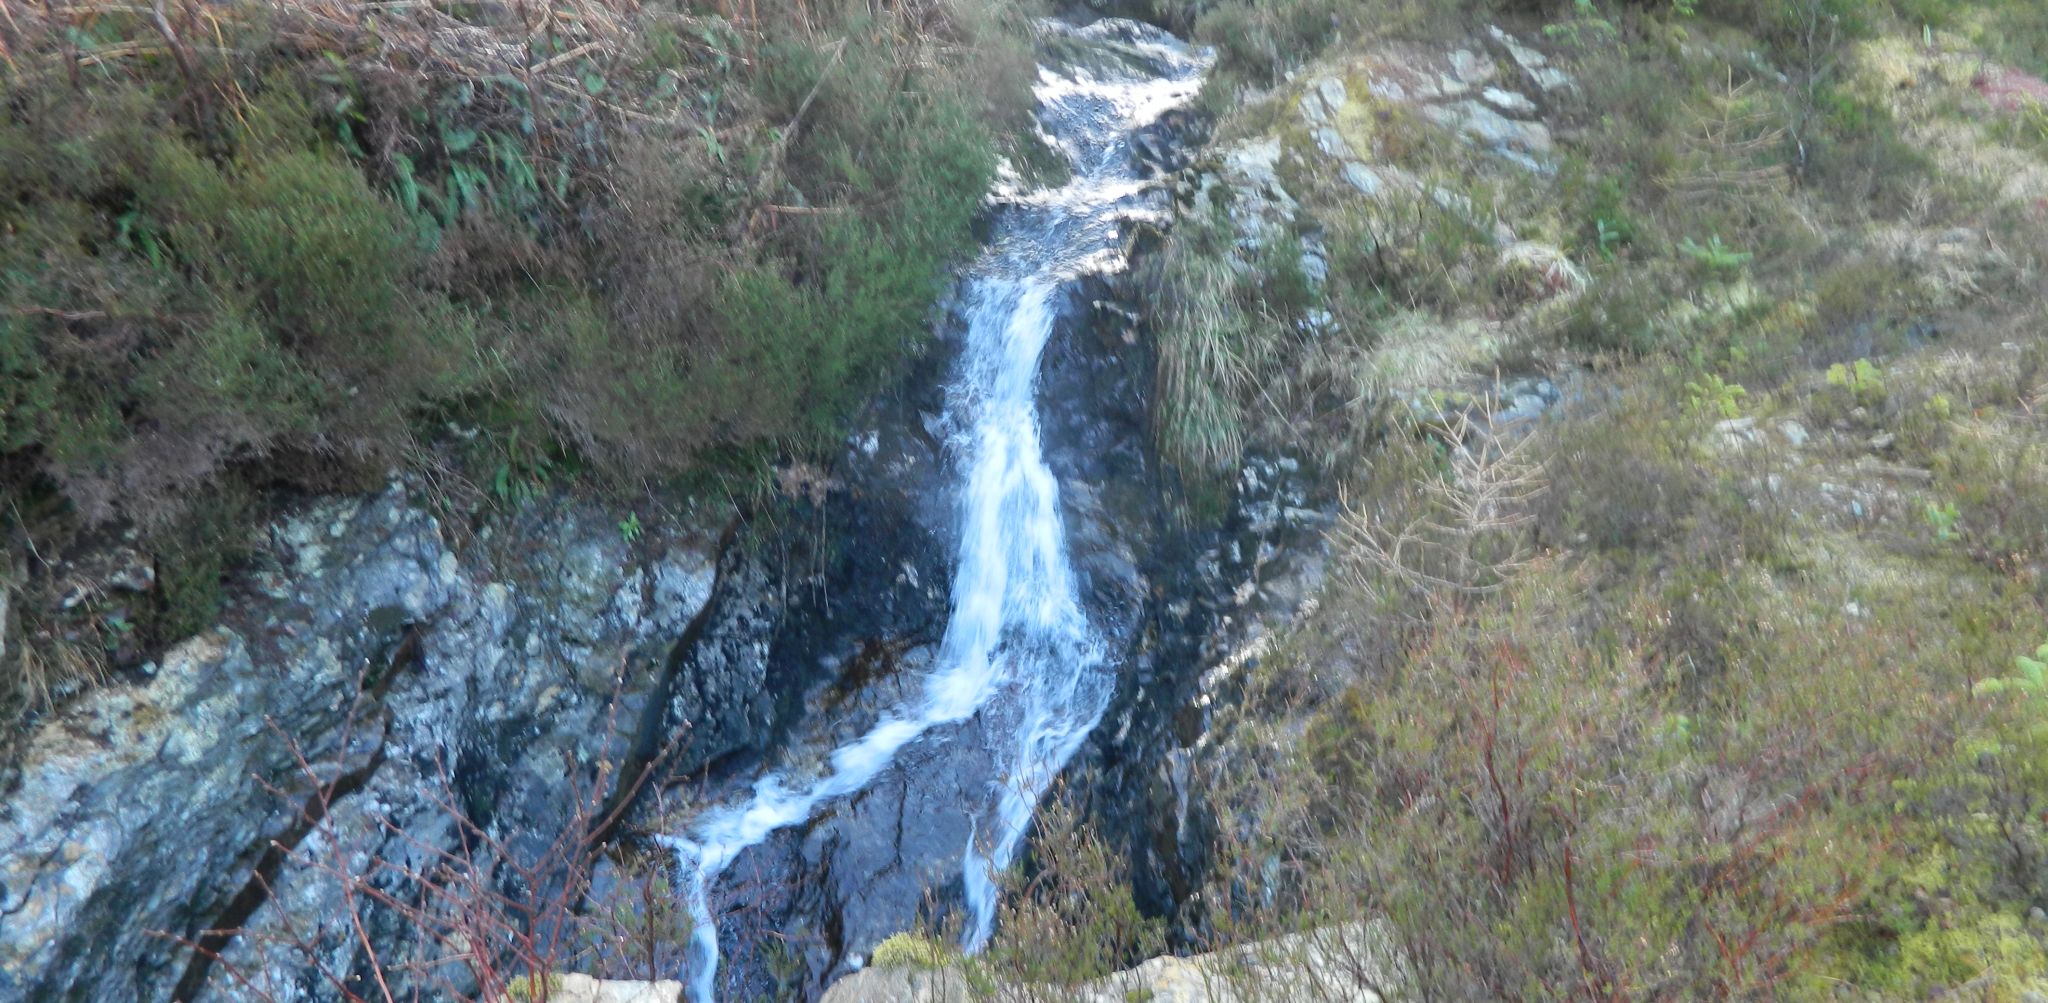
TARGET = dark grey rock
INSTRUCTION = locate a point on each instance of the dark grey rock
(366, 643)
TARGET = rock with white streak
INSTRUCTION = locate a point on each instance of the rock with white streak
(1509, 102)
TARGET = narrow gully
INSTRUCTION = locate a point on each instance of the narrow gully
(1022, 660)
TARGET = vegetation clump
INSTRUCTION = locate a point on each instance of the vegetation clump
(911, 950)
(532, 988)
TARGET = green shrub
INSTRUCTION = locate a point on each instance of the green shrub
(276, 297)
(1260, 40)
(1853, 149)
(819, 326)
(1067, 915)
(193, 557)
(222, 308)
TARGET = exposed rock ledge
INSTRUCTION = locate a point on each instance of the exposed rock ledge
(1353, 963)
(137, 811)
(584, 989)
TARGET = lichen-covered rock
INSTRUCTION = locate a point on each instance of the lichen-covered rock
(364, 642)
(1491, 128)
(1355, 963)
(574, 988)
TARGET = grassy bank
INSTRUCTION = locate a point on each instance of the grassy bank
(253, 249)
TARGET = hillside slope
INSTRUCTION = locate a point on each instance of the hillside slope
(1675, 374)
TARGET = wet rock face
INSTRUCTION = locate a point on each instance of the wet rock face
(1096, 380)
(812, 896)
(799, 910)
(1169, 144)
(506, 670)
(141, 808)
(818, 596)
(1216, 594)
(863, 565)
(715, 700)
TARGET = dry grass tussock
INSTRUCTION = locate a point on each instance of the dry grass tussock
(1936, 93)
(1466, 536)
(575, 54)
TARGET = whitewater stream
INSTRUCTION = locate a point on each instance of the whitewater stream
(1021, 657)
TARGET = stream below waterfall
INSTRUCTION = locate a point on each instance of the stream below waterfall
(1026, 665)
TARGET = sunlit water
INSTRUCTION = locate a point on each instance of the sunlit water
(1019, 651)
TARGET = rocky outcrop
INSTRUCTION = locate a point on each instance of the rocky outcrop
(511, 671)
(1362, 136)
(364, 644)
(1495, 93)
(1355, 963)
(584, 989)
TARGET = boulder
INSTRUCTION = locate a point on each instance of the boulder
(1322, 100)
(1534, 66)
(1356, 961)
(573, 988)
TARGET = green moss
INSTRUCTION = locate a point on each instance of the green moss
(911, 950)
(533, 988)
(1994, 951)
(194, 556)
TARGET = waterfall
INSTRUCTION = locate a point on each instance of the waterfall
(1019, 651)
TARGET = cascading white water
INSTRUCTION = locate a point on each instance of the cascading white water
(1019, 649)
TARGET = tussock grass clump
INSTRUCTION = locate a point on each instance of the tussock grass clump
(1251, 353)
(1212, 346)
(532, 988)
